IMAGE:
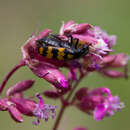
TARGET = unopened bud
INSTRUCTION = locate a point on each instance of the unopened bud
(19, 87)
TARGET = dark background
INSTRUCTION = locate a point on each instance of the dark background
(19, 18)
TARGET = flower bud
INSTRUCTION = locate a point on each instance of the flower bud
(25, 106)
(70, 28)
(51, 94)
(118, 60)
(50, 73)
(81, 93)
(3, 104)
(112, 73)
(20, 87)
(15, 113)
(85, 38)
(81, 28)
(108, 59)
(65, 28)
(43, 34)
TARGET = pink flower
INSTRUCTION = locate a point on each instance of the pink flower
(49, 69)
(98, 33)
(43, 111)
(98, 102)
(118, 60)
(109, 63)
(50, 73)
(71, 27)
(16, 104)
(101, 42)
(77, 31)
(92, 46)
(108, 108)
(41, 66)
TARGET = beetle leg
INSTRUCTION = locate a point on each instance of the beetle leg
(56, 36)
(85, 49)
(76, 44)
(70, 39)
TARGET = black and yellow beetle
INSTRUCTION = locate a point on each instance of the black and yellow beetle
(52, 47)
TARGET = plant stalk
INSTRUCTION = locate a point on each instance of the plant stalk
(10, 74)
(63, 107)
(59, 117)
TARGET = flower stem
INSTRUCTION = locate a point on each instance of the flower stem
(74, 87)
(10, 74)
(59, 117)
(63, 107)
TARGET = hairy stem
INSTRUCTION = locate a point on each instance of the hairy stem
(9, 75)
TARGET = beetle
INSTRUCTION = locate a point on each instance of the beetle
(53, 47)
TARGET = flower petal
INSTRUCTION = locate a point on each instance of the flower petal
(81, 28)
(99, 112)
(3, 104)
(25, 106)
(112, 73)
(43, 34)
(85, 38)
(43, 111)
(50, 73)
(15, 113)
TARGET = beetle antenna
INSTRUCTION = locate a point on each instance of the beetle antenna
(76, 44)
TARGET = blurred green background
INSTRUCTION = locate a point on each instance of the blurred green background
(18, 19)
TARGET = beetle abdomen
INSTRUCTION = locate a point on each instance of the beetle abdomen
(51, 52)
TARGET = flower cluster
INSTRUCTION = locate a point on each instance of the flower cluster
(17, 104)
(98, 102)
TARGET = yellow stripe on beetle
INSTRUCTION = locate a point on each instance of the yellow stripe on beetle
(81, 44)
(61, 53)
(69, 56)
(49, 53)
(41, 49)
